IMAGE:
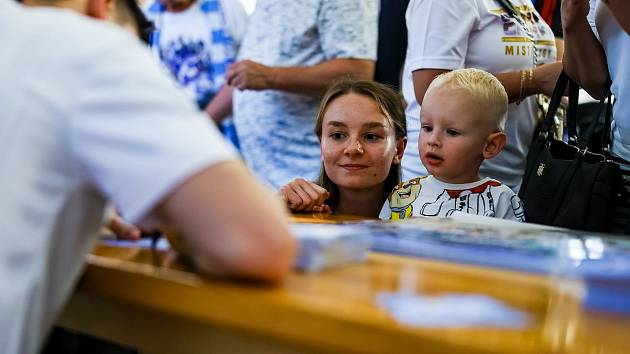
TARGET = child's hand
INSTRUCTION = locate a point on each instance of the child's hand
(303, 195)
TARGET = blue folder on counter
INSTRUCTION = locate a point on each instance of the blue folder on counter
(600, 261)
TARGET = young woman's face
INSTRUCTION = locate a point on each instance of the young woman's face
(358, 143)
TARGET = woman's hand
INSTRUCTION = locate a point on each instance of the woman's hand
(306, 196)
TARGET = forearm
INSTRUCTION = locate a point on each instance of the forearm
(621, 10)
(512, 83)
(584, 59)
(313, 80)
(207, 209)
(524, 83)
(221, 105)
(519, 84)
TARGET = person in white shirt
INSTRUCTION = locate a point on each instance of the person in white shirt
(507, 38)
(597, 39)
(462, 125)
(82, 121)
(128, 15)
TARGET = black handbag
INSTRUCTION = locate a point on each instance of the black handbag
(600, 132)
(564, 183)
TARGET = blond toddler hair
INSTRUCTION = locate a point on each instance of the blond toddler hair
(482, 86)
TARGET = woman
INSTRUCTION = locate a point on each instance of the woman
(597, 34)
(362, 132)
(506, 38)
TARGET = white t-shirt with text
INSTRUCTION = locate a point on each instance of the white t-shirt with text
(455, 34)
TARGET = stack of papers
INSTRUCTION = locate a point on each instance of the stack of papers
(321, 245)
(327, 245)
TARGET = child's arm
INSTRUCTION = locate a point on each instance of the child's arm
(221, 105)
(303, 195)
(509, 206)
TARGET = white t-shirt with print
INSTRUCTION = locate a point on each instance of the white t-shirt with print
(81, 121)
(276, 128)
(428, 196)
(184, 42)
(454, 34)
(616, 44)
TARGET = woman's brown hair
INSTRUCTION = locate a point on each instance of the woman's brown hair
(390, 103)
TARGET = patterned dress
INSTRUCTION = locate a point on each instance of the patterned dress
(275, 128)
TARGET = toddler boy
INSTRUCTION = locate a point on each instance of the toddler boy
(462, 122)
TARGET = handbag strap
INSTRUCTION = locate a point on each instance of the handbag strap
(556, 98)
(584, 138)
(572, 109)
(508, 7)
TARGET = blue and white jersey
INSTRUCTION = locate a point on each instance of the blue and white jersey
(198, 44)
(275, 128)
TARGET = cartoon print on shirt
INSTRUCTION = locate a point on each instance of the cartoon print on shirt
(402, 198)
(517, 208)
(477, 200)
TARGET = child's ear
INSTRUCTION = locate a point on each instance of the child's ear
(494, 145)
(400, 150)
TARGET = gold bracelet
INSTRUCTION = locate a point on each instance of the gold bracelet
(530, 78)
(520, 91)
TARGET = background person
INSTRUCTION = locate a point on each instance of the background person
(292, 51)
(516, 46)
(597, 38)
(197, 40)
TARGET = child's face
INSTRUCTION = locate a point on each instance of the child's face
(453, 136)
(358, 143)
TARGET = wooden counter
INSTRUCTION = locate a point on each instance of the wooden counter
(133, 297)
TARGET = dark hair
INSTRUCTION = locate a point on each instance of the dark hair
(144, 27)
(390, 103)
